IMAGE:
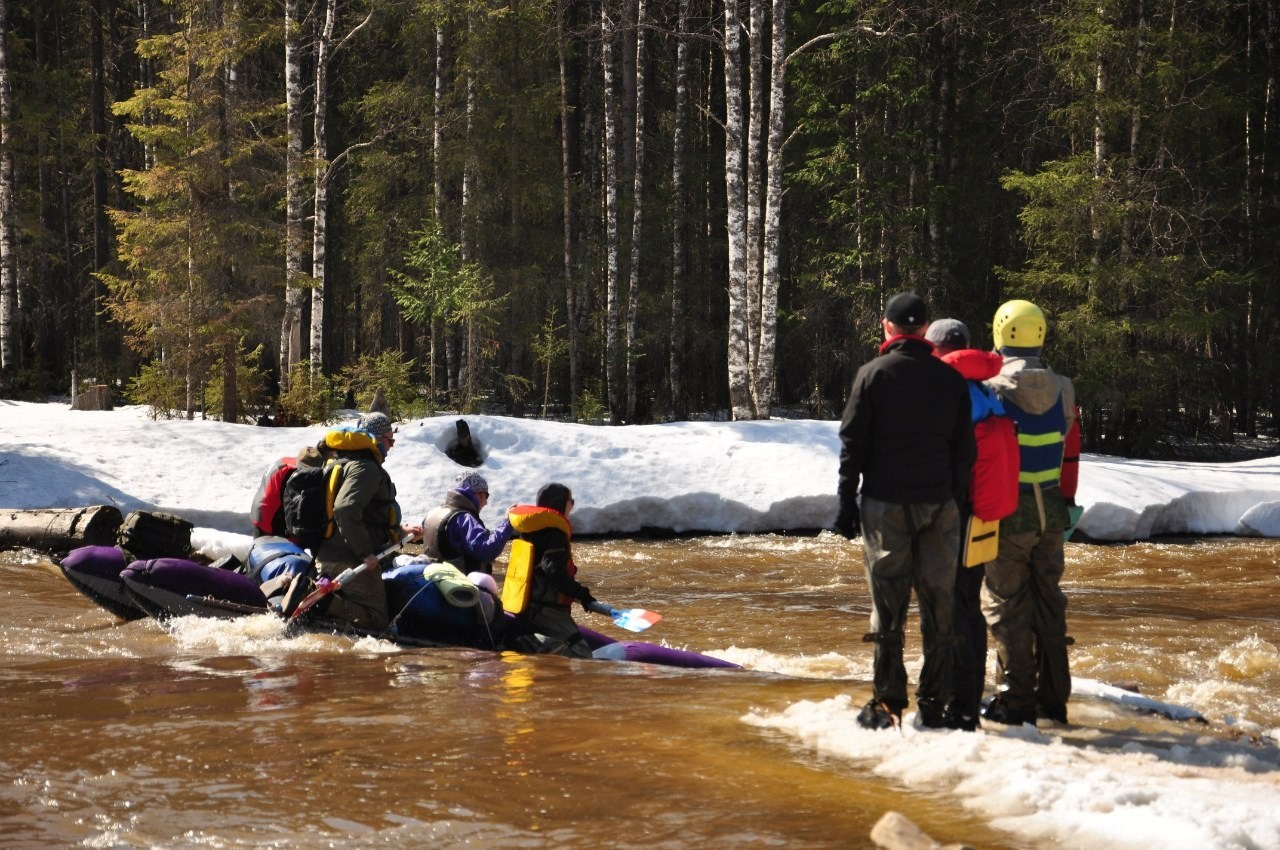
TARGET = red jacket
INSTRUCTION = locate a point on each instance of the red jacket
(993, 487)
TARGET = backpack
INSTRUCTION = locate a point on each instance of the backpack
(308, 497)
(151, 534)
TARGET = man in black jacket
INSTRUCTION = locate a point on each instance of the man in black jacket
(906, 436)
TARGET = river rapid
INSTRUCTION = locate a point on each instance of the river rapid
(215, 734)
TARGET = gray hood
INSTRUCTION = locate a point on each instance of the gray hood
(1032, 386)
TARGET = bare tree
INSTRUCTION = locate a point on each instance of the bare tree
(763, 361)
(295, 294)
(637, 205)
(735, 117)
(679, 214)
(323, 170)
(611, 215)
(10, 309)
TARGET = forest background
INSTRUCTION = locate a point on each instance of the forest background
(636, 210)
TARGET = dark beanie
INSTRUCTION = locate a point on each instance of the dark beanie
(554, 496)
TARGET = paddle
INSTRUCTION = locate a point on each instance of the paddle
(328, 586)
(632, 619)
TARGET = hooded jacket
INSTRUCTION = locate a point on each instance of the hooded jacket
(1043, 404)
(365, 512)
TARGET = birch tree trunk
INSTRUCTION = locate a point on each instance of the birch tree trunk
(10, 350)
(322, 172)
(466, 371)
(739, 354)
(294, 295)
(101, 166)
(566, 202)
(679, 214)
(756, 90)
(440, 329)
(319, 168)
(637, 215)
(762, 385)
(611, 217)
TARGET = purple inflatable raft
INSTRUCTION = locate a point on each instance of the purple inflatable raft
(173, 587)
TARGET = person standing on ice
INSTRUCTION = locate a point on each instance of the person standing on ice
(1022, 599)
(992, 496)
(907, 439)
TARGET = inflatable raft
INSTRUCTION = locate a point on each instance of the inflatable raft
(432, 605)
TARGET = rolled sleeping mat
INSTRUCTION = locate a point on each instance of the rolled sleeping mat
(456, 588)
(95, 572)
(176, 587)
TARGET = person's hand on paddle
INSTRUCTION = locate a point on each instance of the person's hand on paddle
(849, 521)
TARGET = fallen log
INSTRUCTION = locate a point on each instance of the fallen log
(59, 529)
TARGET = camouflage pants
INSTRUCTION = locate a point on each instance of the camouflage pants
(1027, 612)
(910, 547)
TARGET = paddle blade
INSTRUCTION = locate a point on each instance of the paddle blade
(635, 619)
(313, 598)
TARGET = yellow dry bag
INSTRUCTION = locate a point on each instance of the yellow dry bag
(518, 584)
(981, 541)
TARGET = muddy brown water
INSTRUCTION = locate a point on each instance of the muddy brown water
(214, 735)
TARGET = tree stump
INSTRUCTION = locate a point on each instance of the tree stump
(96, 397)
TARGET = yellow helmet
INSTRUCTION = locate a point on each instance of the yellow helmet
(1018, 324)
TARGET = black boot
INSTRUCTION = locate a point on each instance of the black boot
(998, 711)
(877, 715)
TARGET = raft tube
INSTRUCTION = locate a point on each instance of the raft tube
(95, 572)
(176, 587)
(603, 646)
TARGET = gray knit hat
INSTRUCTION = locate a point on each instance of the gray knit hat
(376, 424)
(948, 333)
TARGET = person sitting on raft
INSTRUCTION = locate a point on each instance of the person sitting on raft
(453, 533)
(541, 585)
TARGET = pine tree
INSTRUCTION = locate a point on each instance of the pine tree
(192, 247)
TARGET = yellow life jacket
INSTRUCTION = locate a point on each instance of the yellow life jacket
(518, 584)
(350, 440)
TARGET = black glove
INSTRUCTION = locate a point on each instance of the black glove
(849, 522)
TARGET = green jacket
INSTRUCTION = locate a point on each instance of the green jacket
(365, 513)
